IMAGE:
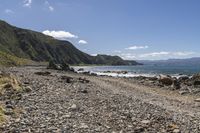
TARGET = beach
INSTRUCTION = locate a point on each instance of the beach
(59, 101)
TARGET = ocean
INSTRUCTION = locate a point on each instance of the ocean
(148, 70)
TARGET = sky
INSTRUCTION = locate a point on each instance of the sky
(131, 29)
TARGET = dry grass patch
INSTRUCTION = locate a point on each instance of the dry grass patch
(9, 81)
(2, 115)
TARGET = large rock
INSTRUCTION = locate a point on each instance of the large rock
(195, 80)
(66, 67)
(53, 65)
(176, 84)
(165, 80)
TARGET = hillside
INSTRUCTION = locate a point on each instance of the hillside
(36, 46)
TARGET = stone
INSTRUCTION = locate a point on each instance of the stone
(10, 106)
(183, 92)
(83, 80)
(84, 126)
(197, 100)
(84, 91)
(67, 116)
(196, 82)
(166, 80)
(73, 107)
(27, 89)
(43, 73)
(183, 78)
(67, 79)
(53, 65)
(176, 84)
(80, 69)
(138, 130)
(145, 121)
(176, 131)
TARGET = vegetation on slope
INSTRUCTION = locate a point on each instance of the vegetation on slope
(10, 60)
(39, 47)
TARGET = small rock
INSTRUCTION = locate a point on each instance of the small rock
(80, 69)
(183, 92)
(83, 125)
(196, 82)
(145, 121)
(197, 100)
(9, 106)
(67, 116)
(84, 91)
(138, 130)
(176, 131)
(166, 80)
(26, 83)
(28, 89)
(73, 107)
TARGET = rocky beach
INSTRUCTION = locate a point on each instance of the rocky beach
(63, 102)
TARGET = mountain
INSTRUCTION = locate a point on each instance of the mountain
(190, 61)
(32, 45)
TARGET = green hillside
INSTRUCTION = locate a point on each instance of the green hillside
(31, 45)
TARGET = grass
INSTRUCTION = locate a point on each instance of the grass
(10, 60)
(9, 81)
(2, 115)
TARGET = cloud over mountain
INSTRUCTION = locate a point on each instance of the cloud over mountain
(62, 35)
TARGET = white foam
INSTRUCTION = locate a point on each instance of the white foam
(124, 75)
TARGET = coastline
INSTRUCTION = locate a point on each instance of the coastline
(75, 102)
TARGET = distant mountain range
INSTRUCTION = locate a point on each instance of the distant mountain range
(20, 44)
(191, 61)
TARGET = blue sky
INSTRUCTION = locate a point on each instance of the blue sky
(132, 29)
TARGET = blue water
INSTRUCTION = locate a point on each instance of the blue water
(154, 69)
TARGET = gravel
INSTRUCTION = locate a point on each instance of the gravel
(97, 104)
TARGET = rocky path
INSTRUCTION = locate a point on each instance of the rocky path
(58, 103)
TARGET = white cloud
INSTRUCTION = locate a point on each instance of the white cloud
(127, 56)
(137, 47)
(183, 53)
(8, 11)
(27, 3)
(117, 51)
(82, 42)
(94, 54)
(166, 54)
(154, 54)
(50, 7)
(62, 35)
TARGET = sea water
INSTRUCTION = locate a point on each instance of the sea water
(147, 70)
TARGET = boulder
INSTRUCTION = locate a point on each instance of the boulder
(67, 79)
(197, 82)
(53, 65)
(176, 84)
(66, 67)
(196, 77)
(165, 80)
(183, 78)
(80, 69)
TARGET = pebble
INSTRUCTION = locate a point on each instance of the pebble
(73, 107)
(83, 125)
(176, 131)
(197, 100)
(145, 121)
